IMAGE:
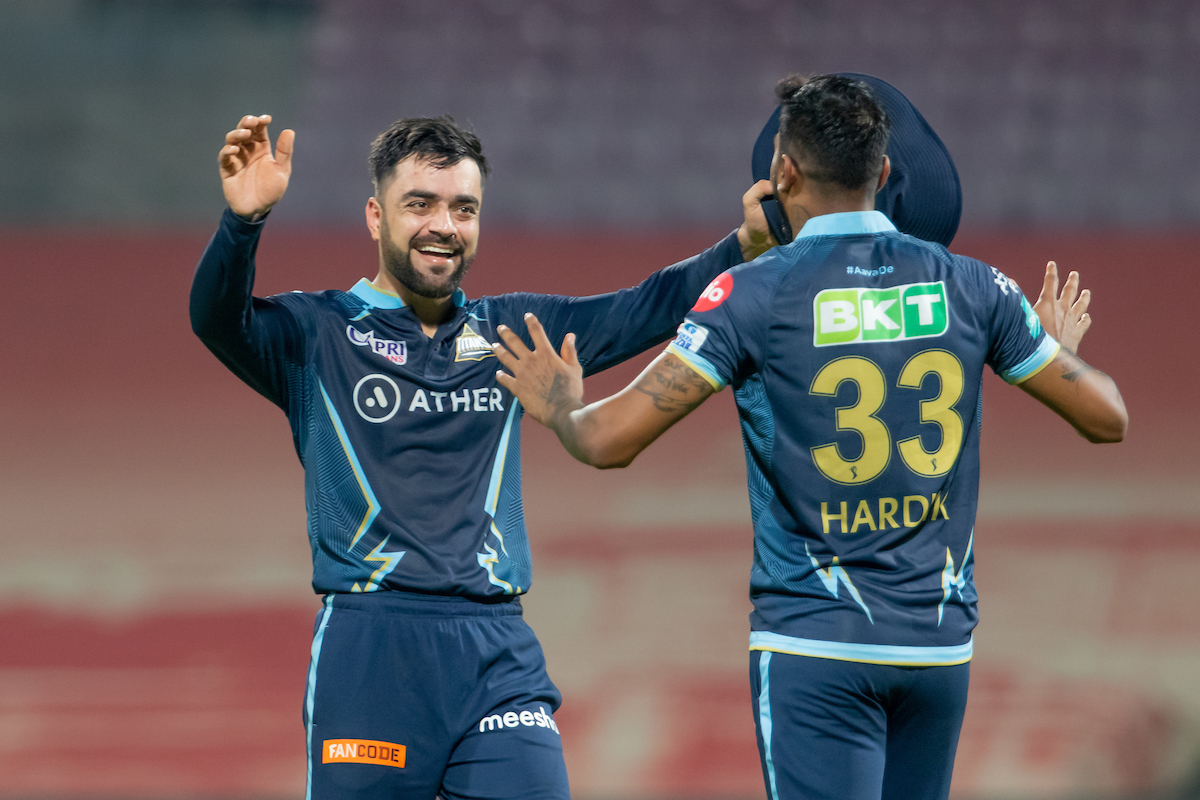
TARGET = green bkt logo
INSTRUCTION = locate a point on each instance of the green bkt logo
(911, 311)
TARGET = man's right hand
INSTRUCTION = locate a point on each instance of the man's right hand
(1064, 316)
(754, 236)
(254, 180)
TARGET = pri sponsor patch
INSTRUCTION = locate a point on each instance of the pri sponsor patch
(395, 352)
(691, 337)
(720, 288)
(362, 751)
(910, 311)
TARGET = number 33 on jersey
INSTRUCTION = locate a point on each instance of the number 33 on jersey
(857, 362)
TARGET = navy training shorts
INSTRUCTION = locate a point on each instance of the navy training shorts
(417, 696)
(841, 730)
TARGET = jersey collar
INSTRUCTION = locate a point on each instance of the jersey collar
(377, 298)
(846, 223)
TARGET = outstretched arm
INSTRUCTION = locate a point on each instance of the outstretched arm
(607, 433)
(616, 326)
(250, 336)
(1080, 394)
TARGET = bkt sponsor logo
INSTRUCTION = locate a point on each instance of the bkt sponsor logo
(910, 311)
(512, 719)
(395, 352)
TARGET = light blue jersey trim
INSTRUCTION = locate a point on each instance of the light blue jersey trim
(364, 291)
(847, 223)
(1045, 353)
(493, 491)
(311, 694)
(699, 363)
(491, 557)
(894, 655)
(360, 474)
(764, 717)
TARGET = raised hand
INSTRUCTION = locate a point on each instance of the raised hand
(754, 235)
(548, 386)
(1064, 316)
(254, 180)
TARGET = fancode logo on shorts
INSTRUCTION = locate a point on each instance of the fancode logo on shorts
(910, 311)
(362, 751)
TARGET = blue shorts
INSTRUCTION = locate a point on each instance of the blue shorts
(840, 730)
(415, 696)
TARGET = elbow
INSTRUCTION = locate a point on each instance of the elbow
(606, 453)
(612, 462)
(607, 458)
(1109, 429)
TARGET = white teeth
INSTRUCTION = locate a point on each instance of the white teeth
(436, 250)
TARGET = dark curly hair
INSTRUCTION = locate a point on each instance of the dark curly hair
(833, 128)
(439, 139)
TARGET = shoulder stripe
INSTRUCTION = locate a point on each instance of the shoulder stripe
(1035, 363)
(893, 655)
(700, 364)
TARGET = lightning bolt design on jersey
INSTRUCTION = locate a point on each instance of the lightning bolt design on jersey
(389, 562)
(832, 575)
(953, 579)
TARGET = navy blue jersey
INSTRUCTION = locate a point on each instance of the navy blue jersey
(856, 354)
(410, 447)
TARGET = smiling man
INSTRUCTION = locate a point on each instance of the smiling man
(424, 680)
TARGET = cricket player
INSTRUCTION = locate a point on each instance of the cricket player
(424, 680)
(856, 355)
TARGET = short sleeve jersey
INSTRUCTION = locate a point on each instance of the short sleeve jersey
(856, 355)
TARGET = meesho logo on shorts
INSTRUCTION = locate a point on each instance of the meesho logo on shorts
(911, 311)
(512, 719)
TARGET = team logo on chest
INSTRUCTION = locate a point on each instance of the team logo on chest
(470, 346)
(395, 352)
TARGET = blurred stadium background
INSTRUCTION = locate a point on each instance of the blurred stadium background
(156, 612)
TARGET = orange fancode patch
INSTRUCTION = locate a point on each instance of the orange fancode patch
(362, 751)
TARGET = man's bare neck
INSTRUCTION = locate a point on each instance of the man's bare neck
(431, 311)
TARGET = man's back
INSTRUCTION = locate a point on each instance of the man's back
(857, 354)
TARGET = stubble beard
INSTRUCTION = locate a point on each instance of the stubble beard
(400, 266)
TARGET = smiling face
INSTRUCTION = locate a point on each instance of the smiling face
(427, 224)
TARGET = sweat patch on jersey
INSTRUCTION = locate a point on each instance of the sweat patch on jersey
(908, 311)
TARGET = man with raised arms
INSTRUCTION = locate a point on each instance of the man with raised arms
(424, 680)
(856, 355)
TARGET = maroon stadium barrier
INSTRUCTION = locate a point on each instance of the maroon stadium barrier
(157, 616)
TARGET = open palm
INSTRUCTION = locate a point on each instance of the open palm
(252, 178)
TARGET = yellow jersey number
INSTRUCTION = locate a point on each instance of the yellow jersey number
(876, 453)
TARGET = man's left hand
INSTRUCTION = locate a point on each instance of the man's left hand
(548, 385)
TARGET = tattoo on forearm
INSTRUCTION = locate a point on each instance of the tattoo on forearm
(674, 386)
(1074, 369)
